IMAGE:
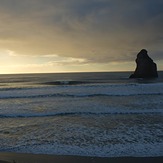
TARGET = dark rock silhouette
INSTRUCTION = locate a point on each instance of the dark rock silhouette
(145, 68)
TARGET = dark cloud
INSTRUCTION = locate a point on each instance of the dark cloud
(98, 30)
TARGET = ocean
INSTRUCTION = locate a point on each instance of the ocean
(103, 114)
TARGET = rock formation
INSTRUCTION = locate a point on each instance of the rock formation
(145, 68)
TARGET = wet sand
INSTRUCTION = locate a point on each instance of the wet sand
(40, 158)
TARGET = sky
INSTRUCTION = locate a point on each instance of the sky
(39, 36)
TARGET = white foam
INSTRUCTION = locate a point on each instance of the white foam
(85, 90)
(117, 150)
(82, 100)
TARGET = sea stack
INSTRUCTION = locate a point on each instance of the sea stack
(145, 67)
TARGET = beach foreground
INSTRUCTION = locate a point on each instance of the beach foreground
(40, 158)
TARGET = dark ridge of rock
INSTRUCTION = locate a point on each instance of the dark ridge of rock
(145, 68)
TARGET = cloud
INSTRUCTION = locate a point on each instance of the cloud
(38, 63)
(98, 31)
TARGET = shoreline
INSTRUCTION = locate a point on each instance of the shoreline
(7, 157)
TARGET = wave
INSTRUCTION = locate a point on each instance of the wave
(15, 88)
(77, 95)
(147, 112)
(81, 91)
(66, 82)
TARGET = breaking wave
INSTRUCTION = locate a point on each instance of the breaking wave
(77, 95)
(146, 112)
(81, 91)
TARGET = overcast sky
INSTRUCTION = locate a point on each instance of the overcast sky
(78, 35)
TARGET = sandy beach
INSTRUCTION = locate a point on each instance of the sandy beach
(40, 158)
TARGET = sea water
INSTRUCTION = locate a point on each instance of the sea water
(88, 114)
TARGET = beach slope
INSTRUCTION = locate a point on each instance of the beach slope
(40, 158)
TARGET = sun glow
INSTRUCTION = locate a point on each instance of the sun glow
(52, 63)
